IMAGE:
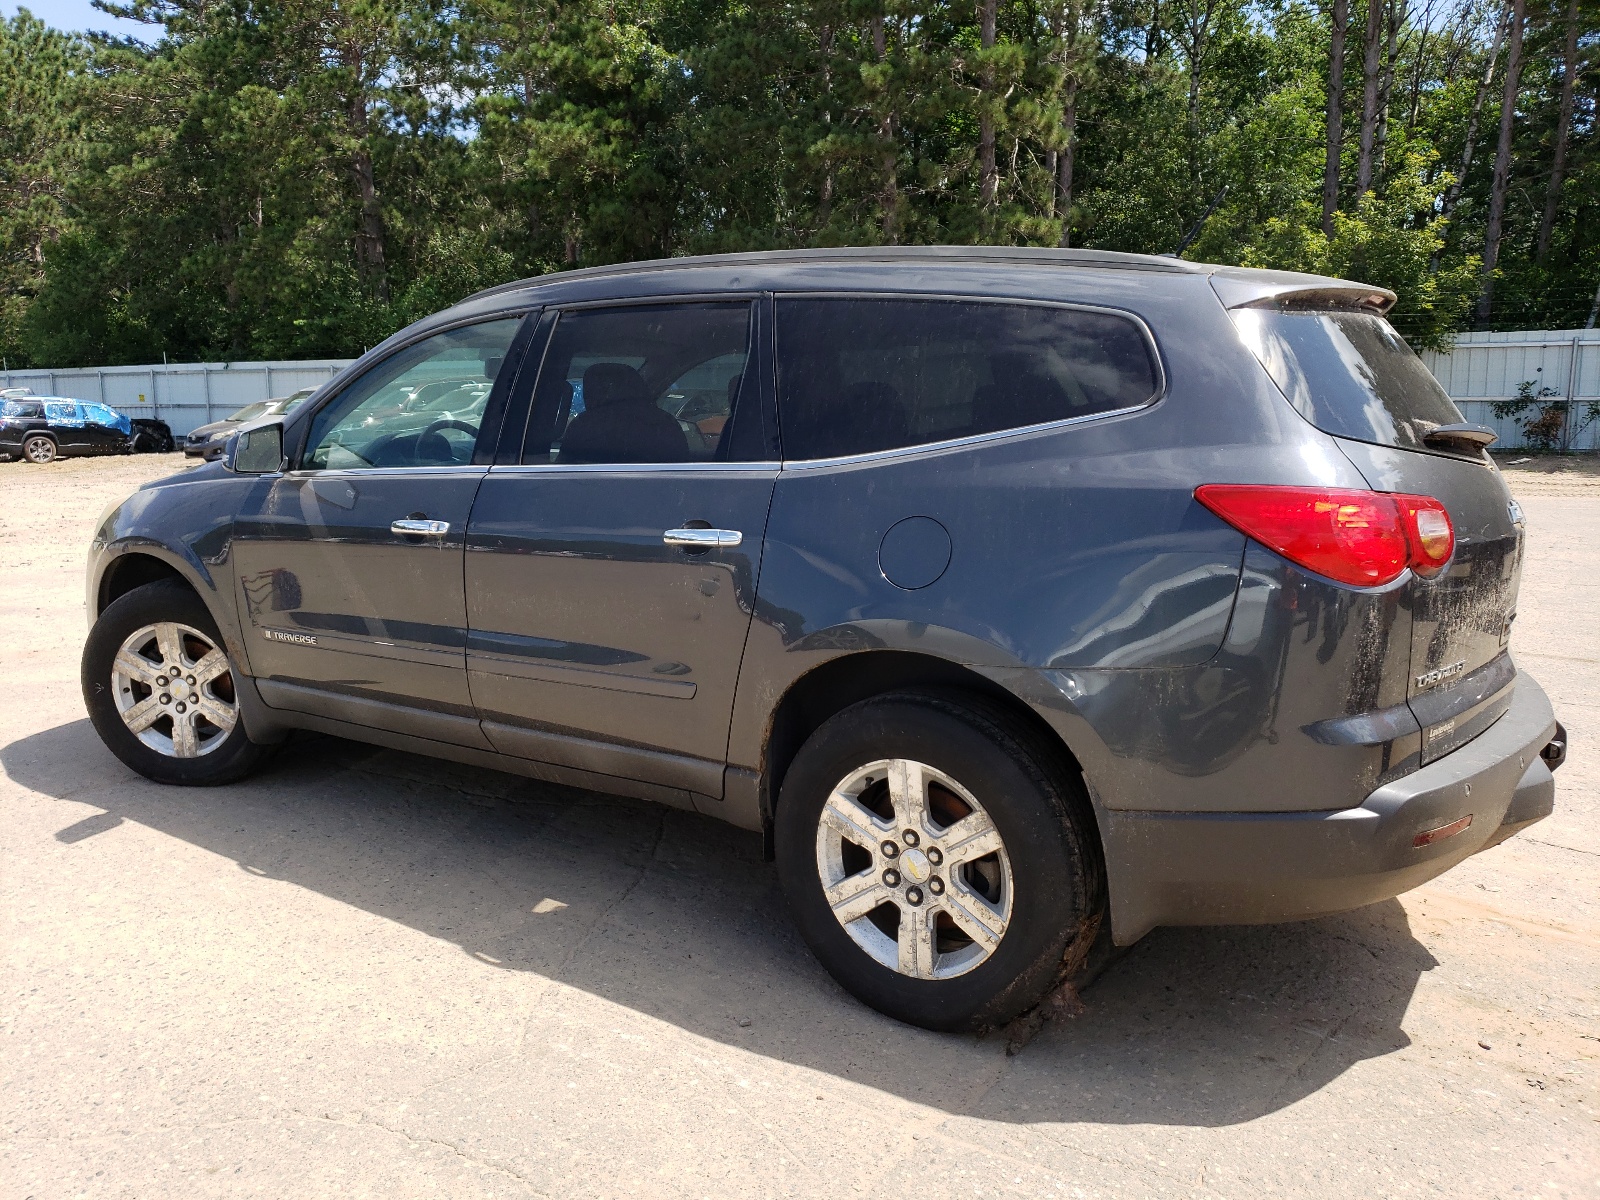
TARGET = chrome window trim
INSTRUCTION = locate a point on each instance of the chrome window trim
(380, 472)
(743, 296)
(718, 468)
(961, 443)
(1154, 348)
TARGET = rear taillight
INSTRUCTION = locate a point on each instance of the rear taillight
(1364, 539)
(1428, 529)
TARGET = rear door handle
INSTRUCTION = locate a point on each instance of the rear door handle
(412, 527)
(702, 539)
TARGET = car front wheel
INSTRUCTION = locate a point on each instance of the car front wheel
(938, 857)
(39, 449)
(160, 689)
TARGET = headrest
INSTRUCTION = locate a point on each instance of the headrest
(605, 384)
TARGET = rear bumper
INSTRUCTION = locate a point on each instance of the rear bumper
(1250, 868)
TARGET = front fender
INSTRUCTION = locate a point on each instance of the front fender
(187, 525)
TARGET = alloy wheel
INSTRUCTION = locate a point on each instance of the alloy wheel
(914, 869)
(39, 450)
(174, 690)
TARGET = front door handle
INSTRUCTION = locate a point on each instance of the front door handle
(702, 539)
(411, 527)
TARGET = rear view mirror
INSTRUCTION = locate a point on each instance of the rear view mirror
(257, 451)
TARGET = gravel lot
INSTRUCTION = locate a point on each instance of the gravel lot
(370, 974)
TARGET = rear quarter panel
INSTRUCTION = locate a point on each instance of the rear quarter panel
(1082, 573)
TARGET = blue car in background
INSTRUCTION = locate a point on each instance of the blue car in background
(42, 428)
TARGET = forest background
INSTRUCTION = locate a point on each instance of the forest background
(299, 178)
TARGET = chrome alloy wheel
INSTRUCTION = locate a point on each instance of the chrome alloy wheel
(914, 869)
(174, 690)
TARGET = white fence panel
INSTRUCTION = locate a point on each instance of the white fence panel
(1478, 370)
(183, 395)
(1482, 368)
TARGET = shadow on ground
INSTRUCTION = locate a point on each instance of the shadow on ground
(676, 916)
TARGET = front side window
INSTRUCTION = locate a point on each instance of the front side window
(1349, 373)
(648, 383)
(862, 375)
(420, 407)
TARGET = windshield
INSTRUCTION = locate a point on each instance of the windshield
(290, 403)
(22, 408)
(1349, 373)
(250, 411)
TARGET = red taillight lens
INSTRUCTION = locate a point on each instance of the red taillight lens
(1364, 539)
(1432, 537)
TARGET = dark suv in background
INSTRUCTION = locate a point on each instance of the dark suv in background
(40, 429)
(1018, 597)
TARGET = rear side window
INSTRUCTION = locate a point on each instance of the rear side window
(1349, 373)
(861, 375)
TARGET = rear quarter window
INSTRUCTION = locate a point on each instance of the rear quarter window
(859, 375)
(1348, 373)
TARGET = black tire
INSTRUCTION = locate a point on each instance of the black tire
(38, 449)
(1037, 804)
(232, 757)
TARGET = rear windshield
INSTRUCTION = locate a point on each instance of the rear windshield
(1349, 373)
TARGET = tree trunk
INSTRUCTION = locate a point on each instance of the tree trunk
(825, 192)
(1452, 194)
(1502, 162)
(889, 197)
(1069, 121)
(1397, 16)
(1558, 160)
(370, 234)
(1330, 171)
(371, 260)
(988, 175)
(1369, 96)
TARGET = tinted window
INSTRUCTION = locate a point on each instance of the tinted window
(856, 376)
(420, 407)
(22, 409)
(655, 383)
(1349, 374)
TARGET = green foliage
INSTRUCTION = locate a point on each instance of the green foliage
(302, 178)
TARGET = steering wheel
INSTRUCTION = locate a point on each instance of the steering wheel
(447, 423)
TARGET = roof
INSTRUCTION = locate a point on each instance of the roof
(1238, 285)
(1024, 255)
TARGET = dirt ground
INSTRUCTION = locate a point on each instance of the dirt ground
(369, 974)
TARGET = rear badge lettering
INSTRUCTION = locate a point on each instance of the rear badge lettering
(294, 639)
(1439, 674)
(1441, 731)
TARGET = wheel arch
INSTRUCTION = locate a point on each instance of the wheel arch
(833, 686)
(133, 570)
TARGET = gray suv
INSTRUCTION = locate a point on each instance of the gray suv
(1022, 600)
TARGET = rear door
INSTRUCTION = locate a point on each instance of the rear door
(67, 424)
(349, 566)
(612, 565)
(1354, 377)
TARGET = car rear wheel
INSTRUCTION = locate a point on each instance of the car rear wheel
(39, 449)
(160, 689)
(937, 857)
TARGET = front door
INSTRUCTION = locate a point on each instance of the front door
(349, 566)
(611, 573)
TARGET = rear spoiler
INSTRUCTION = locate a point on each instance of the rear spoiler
(1238, 288)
